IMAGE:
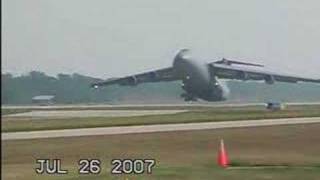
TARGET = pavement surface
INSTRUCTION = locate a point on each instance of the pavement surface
(190, 104)
(91, 113)
(153, 128)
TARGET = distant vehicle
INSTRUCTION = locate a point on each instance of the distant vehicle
(202, 80)
(274, 106)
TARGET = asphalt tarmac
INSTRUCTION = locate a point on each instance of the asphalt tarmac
(190, 104)
(90, 113)
(154, 128)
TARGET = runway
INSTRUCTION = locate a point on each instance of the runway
(154, 128)
(202, 104)
(56, 114)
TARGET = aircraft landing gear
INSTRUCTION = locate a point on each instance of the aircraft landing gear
(188, 97)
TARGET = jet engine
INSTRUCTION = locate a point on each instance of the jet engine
(269, 79)
(132, 81)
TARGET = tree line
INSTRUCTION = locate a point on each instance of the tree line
(75, 88)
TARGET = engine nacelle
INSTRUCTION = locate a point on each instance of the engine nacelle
(132, 81)
(243, 76)
(153, 75)
(269, 79)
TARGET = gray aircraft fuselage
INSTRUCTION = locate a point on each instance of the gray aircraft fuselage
(196, 79)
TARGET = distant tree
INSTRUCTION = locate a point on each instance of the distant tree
(6, 89)
(75, 88)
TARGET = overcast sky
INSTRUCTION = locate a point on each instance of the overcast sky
(105, 38)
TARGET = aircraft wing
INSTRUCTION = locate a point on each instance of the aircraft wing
(244, 73)
(165, 74)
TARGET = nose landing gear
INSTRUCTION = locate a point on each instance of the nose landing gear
(188, 97)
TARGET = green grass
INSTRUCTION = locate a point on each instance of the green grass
(13, 111)
(180, 155)
(200, 115)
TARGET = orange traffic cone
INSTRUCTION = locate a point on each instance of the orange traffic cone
(222, 156)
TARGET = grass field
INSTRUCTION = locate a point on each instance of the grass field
(195, 114)
(13, 111)
(179, 155)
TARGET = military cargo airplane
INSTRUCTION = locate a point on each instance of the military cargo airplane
(202, 80)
